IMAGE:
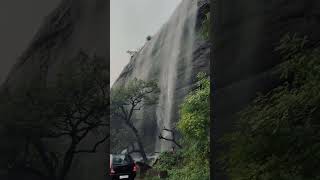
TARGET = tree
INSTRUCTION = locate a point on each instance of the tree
(194, 127)
(70, 110)
(132, 53)
(149, 38)
(278, 134)
(130, 99)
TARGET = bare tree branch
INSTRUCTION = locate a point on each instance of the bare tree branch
(95, 147)
(168, 139)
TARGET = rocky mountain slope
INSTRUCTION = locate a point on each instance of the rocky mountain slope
(74, 26)
(173, 58)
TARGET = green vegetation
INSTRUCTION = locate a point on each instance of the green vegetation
(278, 134)
(149, 38)
(205, 31)
(168, 160)
(192, 161)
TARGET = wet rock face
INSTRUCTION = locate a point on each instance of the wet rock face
(245, 35)
(74, 26)
(176, 76)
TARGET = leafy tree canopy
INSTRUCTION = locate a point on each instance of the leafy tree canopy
(278, 134)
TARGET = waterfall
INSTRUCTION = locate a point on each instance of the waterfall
(166, 58)
(178, 51)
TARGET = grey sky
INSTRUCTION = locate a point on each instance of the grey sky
(19, 21)
(131, 22)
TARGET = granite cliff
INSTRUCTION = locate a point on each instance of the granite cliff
(173, 57)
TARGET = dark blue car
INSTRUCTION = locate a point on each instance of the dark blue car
(122, 166)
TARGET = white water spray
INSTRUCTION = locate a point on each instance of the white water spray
(178, 52)
(161, 57)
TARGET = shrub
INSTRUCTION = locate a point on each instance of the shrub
(168, 161)
(278, 134)
(192, 161)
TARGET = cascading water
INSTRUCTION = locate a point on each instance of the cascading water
(178, 52)
(169, 50)
(166, 58)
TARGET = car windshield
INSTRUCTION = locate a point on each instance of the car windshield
(121, 159)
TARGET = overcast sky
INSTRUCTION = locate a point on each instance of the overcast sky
(19, 21)
(131, 22)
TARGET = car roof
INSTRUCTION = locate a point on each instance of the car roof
(111, 155)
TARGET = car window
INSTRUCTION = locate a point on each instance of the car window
(121, 159)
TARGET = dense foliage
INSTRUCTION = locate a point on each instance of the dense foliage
(192, 161)
(62, 114)
(168, 160)
(278, 136)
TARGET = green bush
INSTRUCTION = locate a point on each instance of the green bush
(168, 161)
(194, 112)
(278, 134)
(192, 161)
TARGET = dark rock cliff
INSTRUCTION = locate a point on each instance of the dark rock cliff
(74, 26)
(245, 36)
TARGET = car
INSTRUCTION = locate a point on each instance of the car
(122, 166)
